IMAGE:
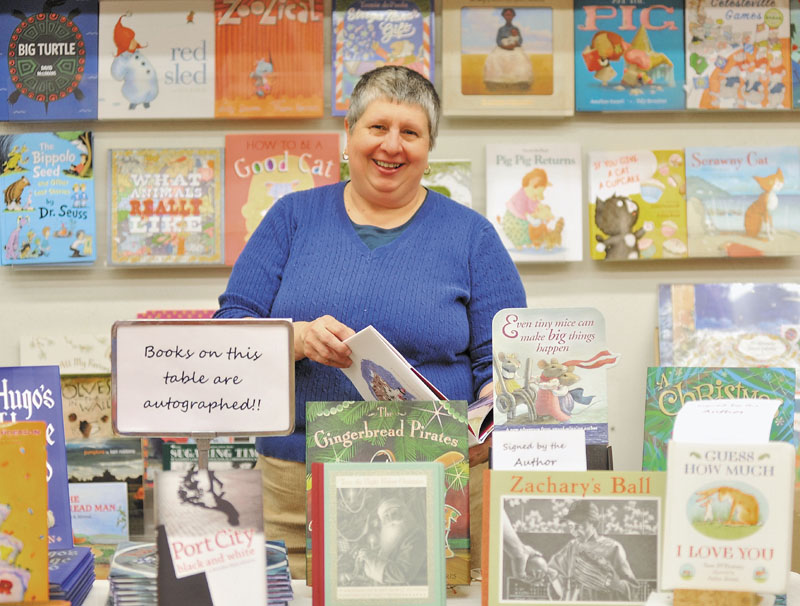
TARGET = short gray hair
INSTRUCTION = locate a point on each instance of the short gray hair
(400, 85)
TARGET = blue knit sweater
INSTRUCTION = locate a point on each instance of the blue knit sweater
(432, 292)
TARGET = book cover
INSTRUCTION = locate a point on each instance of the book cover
(549, 369)
(795, 54)
(629, 57)
(166, 206)
(220, 456)
(743, 201)
(49, 67)
(99, 512)
(368, 34)
(637, 205)
(48, 184)
(23, 511)
(576, 537)
(269, 59)
(669, 388)
(382, 527)
(380, 431)
(156, 59)
(533, 198)
(74, 354)
(33, 393)
(86, 402)
(728, 509)
(738, 56)
(211, 537)
(261, 168)
(69, 568)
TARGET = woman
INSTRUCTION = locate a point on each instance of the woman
(507, 68)
(427, 272)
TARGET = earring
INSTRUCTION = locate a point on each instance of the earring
(427, 170)
(345, 156)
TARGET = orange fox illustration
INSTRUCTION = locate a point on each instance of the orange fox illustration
(743, 506)
(759, 213)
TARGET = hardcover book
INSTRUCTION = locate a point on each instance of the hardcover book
(182, 457)
(269, 59)
(86, 402)
(166, 206)
(99, 512)
(381, 431)
(71, 573)
(743, 201)
(637, 205)
(366, 35)
(576, 537)
(533, 198)
(378, 531)
(629, 57)
(261, 168)
(49, 60)
(48, 185)
(74, 354)
(156, 59)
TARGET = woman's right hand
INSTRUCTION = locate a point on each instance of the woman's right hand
(321, 341)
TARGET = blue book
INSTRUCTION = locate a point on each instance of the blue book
(47, 180)
(629, 57)
(33, 393)
(69, 569)
(49, 69)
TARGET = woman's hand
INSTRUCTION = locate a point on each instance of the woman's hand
(321, 341)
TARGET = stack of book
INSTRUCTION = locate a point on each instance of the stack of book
(132, 577)
(279, 579)
(71, 574)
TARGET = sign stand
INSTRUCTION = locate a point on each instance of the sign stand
(203, 447)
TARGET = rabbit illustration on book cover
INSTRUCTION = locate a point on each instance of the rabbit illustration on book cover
(759, 213)
(743, 506)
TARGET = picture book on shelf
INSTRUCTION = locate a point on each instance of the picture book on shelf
(743, 201)
(86, 402)
(269, 59)
(48, 184)
(392, 431)
(74, 354)
(262, 168)
(48, 60)
(637, 205)
(166, 206)
(366, 35)
(629, 57)
(156, 59)
(533, 198)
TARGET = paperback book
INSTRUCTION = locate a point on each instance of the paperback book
(86, 402)
(533, 198)
(166, 206)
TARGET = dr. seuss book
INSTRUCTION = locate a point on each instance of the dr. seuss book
(576, 537)
(378, 532)
(637, 205)
(74, 354)
(629, 57)
(728, 517)
(156, 59)
(23, 512)
(795, 54)
(210, 537)
(47, 181)
(743, 201)
(390, 431)
(549, 368)
(166, 206)
(368, 34)
(33, 393)
(533, 198)
(269, 58)
(261, 168)
(86, 402)
(669, 388)
(738, 55)
(48, 60)
(99, 512)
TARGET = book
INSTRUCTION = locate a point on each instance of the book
(738, 57)
(74, 354)
(48, 185)
(368, 35)
(23, 511)
(132, 575)
(33, 393)
(728, 508)
(220, 456)
(629, 57)
(398, 431)
(794, 56)
(210, 537)
(269, 59)
(86, 403)
(669, 388)
(71, 573)
(175, 314)
(49, 70)
(99, 512)
(637, 205)
(166, 206)
(262, 168)
(533, 199)
(380, 529)
(156, 59)
(743, 201)
(575, 537)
